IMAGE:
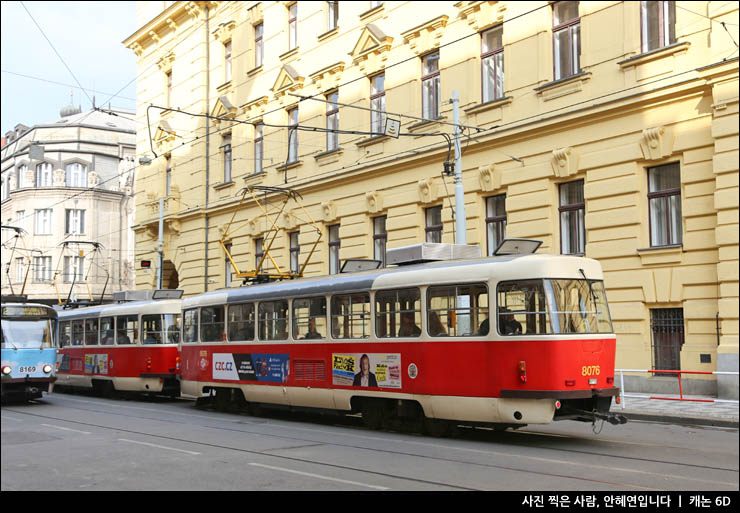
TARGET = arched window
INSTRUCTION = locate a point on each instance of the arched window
(76, 175)
(44, 175)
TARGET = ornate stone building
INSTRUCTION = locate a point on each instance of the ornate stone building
(605, 129)
(77, 189)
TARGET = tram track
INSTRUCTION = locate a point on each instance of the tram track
(252, 427)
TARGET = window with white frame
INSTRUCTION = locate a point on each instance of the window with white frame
(259, 46)
(74, 267)
(293, 135)
(5, 191)
(566, 35)
(335, 244)
(293, 26)
(41, 269)
(380, 238)
(572, 218)
(259, 148)
(226, 153)
(20, 218)
(430, 86)
(492, 64)
(43, 221)
(664, 196)
(295, 252)
(44, 175)
(20, 176)
(657, 24)
(76, 175)
(332, 15)
(377, 104)
(227, 61)
(332, 121)
(74, 221)
(19, 270)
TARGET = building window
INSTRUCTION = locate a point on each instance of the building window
(43, 221)
(380, 239)
(668, 337)
(259, 46)
(20, 216)
(20, 176)
(658, 24)
(332, 15)
(293, 26)
(430, 86)
(492, 64)
(334, 245)
(572, 214)
(566, 35)
(42, 269)
(377, 104)
(664, 196)
(5, 192)
(293, 135)
(295, 252)
(168, 80)
(73, 269)
(434, 224)
(226, 149)
(259, 252)
(76, 175)
(332, 122)
(495, 221)
(227, 61)
(44, 175)
(227, 267)
(258, 147)
(168, 176)
(19, 270)
(74, 221)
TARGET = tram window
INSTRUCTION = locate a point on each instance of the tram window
(212, 324)
(65, 333)
(107, 331)
(458, 310)
(398, 313)
(78, 332)
(522, 308)
(350, 316)
(241, 322)
(190, 325)
(273, 320)
(151, 329)
(309, 318)
(91, 332)
(127, 329)
(171, 325)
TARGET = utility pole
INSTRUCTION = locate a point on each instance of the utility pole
(160, 244)
(460, 219)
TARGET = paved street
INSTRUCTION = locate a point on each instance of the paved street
(102, 444)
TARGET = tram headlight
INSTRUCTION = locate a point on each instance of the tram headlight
(47, 369)
(7, 370)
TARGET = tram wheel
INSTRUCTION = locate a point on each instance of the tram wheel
(437, 428)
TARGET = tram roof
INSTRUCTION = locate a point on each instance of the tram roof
(429, 273)
(152, 306)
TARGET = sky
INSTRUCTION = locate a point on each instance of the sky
(35, 83)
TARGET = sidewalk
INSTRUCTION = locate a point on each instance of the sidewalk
(639, 406)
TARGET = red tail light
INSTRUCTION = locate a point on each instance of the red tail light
(618, 400)
(148, 364)
(177, 363)
(610, 381)
(570, 382)
(523, 371)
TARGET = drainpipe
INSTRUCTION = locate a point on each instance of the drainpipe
(208, 140)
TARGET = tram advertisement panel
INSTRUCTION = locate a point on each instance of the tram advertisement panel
(269, 368)
(96, 364)
(367, 370)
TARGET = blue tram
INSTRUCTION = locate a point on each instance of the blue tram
(29, 349)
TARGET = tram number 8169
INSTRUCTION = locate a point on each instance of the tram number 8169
(590, 370)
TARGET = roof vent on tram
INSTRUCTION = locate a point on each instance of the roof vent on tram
(430, 252)
(124, 296)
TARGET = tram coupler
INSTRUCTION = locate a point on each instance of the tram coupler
(611, 418)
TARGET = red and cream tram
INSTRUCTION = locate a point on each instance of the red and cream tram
(129, 346)
(503, 341)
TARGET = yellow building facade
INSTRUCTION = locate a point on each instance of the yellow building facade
(604, 129)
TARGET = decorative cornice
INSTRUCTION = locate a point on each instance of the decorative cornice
(165, 63)
(287, 81)
(224, 31)
(427, 191)
(656, 143)
(329, 77)
(481, 15)
(427, 36)
(329, 211)
(374, 201)
(371, 50)
(255, 107)
(564, 162)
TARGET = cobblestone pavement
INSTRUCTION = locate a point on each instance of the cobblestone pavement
(693, 409)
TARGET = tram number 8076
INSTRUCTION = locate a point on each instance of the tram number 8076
(590, 370)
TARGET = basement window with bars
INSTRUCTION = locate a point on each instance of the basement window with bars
(667, 330)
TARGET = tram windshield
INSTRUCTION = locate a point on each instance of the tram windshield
(539, 307)
(30, 334)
